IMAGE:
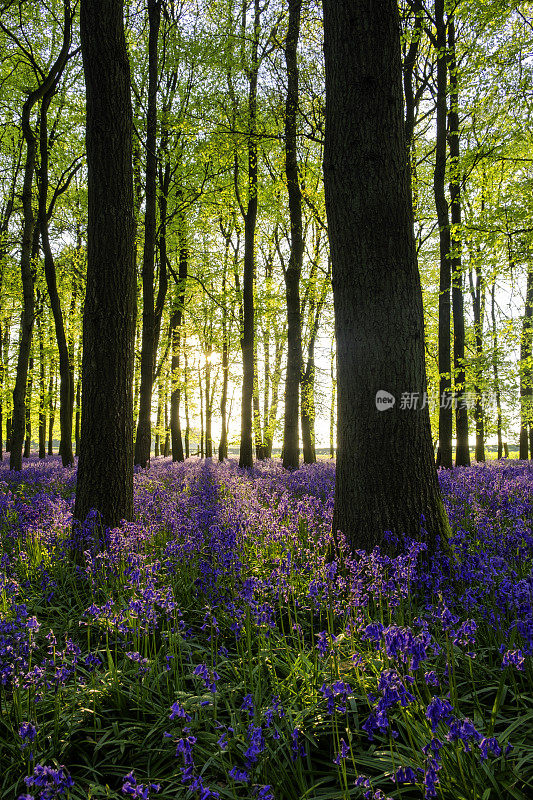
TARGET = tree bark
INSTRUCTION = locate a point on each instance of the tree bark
(105, 467)
(462, 452)
(250, 221)
(445, 454)
(291, 451)
(144, 422)
(386, 479)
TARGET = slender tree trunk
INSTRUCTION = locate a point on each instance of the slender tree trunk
(42, 390)
(26, 327)
(51, 401)
(291, 453)
(496, 372)
(29, 392)
(105, 467)
(477, 293)
(445, 454)
(201, 391)
(186, 399)
(462, 453)
(144, 427)
(386, 479)
(279, 342)
(526, 373)
(176, 321)
(158, 423)
(208, 414)
(250, 221)
(223, 445)
(65, 362)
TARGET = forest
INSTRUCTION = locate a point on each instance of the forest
(266, 399)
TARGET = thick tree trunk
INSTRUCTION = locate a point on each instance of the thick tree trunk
(105, 467)
(386, 479)
(462, 452)
(445, 454)
(144, 422)
(291, 452)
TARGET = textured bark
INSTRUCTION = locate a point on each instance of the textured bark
(144, 424)
(105, 468)
(445, 455)
(462, 452)
(291, 452)
(386, 479)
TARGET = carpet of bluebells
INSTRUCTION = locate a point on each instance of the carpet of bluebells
(211, 648)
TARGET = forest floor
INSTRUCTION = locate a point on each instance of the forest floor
(208, 649)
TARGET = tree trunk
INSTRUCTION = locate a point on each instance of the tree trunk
(386, 479)
(208, 414)
(477, 293)
(279, 342)
(29, 391)
(250, 220)
(26, 326)
(144, 423)
(496, 372)
(462, 452)
(526, 373)
(291, 452)
(186, 399)
(445, 454)
(51, 403)
(65, 362)
(105, 467)
(42, 390)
